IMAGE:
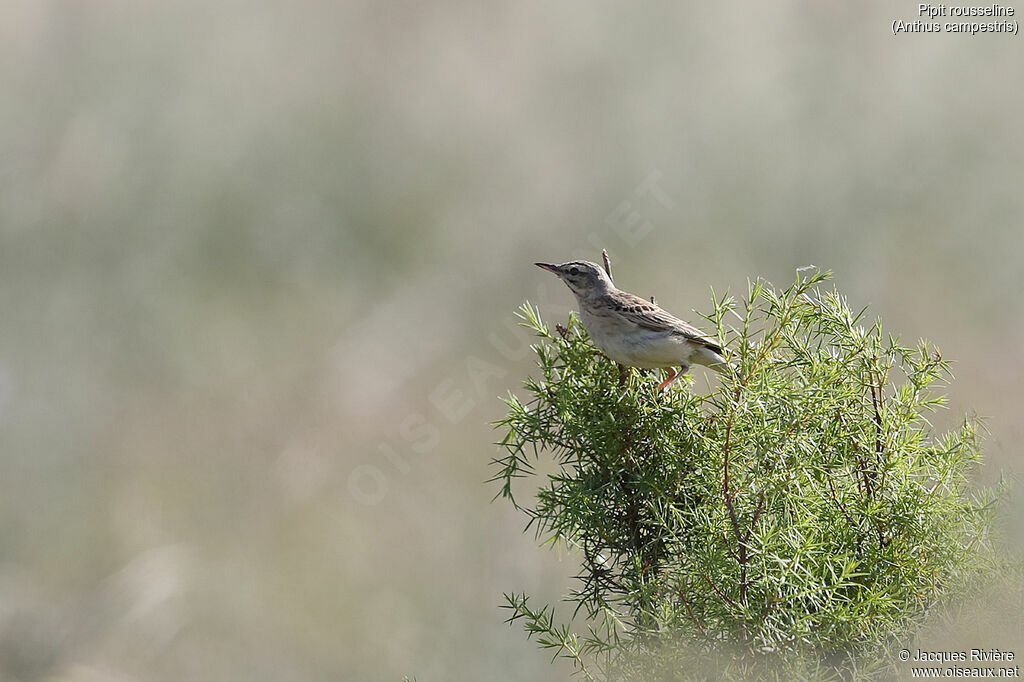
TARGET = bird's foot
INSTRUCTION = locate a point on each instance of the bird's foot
(672, 376)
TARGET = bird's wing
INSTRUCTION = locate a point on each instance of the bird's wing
(650, 316)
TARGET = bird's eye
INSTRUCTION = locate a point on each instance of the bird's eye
(574, 271)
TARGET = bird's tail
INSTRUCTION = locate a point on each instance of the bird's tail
(711, 358)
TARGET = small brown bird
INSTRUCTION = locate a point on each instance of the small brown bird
(633, 331)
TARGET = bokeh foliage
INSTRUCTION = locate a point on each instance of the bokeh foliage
(795, 521)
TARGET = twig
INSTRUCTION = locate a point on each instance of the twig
(878, 404)
(692, 617)
(876, 399)
(846, 513)
(607, 263)
(878, 418)
(757, 513)
(727, 496)
(835, 498)
(720, 593)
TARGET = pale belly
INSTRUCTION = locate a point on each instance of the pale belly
(644, 348)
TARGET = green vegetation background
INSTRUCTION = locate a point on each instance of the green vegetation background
(247, 249)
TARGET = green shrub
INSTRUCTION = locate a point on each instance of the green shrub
(794, 522)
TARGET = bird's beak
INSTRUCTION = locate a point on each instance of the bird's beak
(548, 266)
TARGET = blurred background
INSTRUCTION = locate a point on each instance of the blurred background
(259, 263)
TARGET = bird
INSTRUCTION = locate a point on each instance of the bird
(633, 331)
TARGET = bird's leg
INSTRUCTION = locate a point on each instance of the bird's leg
(672, 376)
(623, 376)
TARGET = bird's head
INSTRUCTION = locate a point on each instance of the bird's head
(581, 276)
